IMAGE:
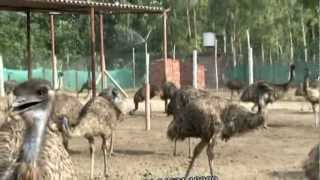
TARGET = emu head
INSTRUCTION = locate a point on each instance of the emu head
(32, 96)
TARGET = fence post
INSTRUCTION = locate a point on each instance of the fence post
(147, 89)
(1, 77)
(134, 67)
(77, 82)
(195, 69)
(216, 63)
(250, 60)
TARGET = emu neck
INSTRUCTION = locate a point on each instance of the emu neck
(36, 122)
(306, 83)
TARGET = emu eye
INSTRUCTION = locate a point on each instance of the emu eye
(42, 91)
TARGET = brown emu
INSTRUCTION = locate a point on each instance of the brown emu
(180, 99)
(66, 112)
(28, 149)
(208, 117)
(235, 85)
(98, 117)
(168, 89)
(140, 96)
(9, 86)
(251, 93)
(88, 86)
(312, 95)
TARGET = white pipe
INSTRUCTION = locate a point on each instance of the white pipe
(2, 93)
(250, 63)
(216, 63)
(147, 102)
(134, 67)
(116, 84)
(195, 69)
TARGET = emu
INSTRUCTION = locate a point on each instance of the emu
(140, 96)
(207, 118)
(312, 95)
(29, 150)
(168, 89)
(98, 117)
(180, 99)
(234, 85)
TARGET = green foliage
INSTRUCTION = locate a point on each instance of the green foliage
(269, 23)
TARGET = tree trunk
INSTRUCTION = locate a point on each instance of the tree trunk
(195, 27)
(304, 38)
(188, 20)
(262, 53)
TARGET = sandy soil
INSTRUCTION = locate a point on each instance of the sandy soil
(276, 153)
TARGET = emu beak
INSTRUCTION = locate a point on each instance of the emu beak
(66, 127)
(24, 103)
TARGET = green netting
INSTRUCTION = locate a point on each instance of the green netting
(123, 77)
(277, 73)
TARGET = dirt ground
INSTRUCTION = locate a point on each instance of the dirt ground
(276, 153)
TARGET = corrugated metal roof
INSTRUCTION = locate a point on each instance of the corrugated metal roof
(75, 6)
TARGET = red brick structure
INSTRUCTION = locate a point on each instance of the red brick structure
(157, 72)
(178, 73)
(186, 77)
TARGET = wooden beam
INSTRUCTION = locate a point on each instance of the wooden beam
(102, 55)
(93, 51)
(147, 101)
(165, 44)
(29, 61)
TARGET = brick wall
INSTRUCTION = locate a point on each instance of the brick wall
(178, 73)
(187, 73)
(157, 72)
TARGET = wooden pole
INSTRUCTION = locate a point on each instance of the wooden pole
(134, 68)
(165, 44)
(216, 63)
(174, 52)
(195, 69)
(250, 66)
(93, 51)
(225, 42)
(53, 54)
(147, 102)
(29, 61)
(77, 82)
(102, 55)
(319, 41)
(2, 93)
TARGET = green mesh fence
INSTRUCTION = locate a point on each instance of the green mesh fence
(277, 73)
(123, 77)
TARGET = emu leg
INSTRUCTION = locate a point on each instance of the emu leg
(189, 144)
(175, 148)
(315, 115)
(136, 106)
(231, 95)
(92, 150)
(111, 143)
(197, 150)
(210, 153)
(105, 156)
(165, 104)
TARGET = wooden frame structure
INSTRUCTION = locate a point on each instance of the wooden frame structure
(90, 8)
